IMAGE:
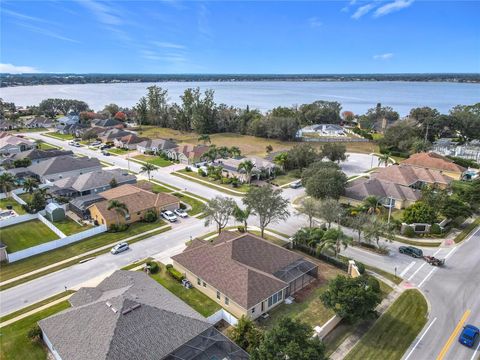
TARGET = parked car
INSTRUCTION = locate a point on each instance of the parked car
(297, 184)
(106, 153)
(103, 147)
(117, 249)
(168, 215)
(180, 212)
(411, 251)
(469, 335)
(95, 143)
(74, 143)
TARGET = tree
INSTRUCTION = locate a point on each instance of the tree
(242, 215)
(466, 121)
(235, 151)
(30, 184)
(352, 299)
(330, 210)
(37, 202)
(420, 212)
(454, 208)
(7, 182)
(358, 223)
(246, 334)
(323, 180)
(310, 207)
(300, 156)
(113, 183)
(120, 115)
(375, 228)
(281, 159)
(211, 154)
(205, 138)
(89, 135)
(334, 239)
(384, 159)
(308, 236)
(141, 110)
(268, 149)
(119, 207)
(268, 204)
(148, 168)
(247, 167)
(111, 109)
(320, 112)
(372, 204)
(334, 152)
(289, 339)
(219, 210)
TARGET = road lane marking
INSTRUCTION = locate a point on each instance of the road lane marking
(475, 352)
(407, 268)
(421, 338)
(451, 252)
(416, 271)
(426, 277)
(454, 334)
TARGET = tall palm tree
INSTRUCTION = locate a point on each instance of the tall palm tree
(30, 184)
(224, 152)
(281, 159)
(384, 159)
(148, 168)
(247, 166)
(242, 216)
(7, 182)
(205, 138)
(44, 192)
(211, 155)
(372, 203)
(119, 207)
(334, 239)
(235, 151)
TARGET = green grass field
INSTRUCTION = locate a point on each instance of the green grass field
(197, 206)
(155, 160)
(42, 145)
(14, 343)
(193, 297)
(15, 205)
(394, 331)
(27, 234)
(118, 151)
(70, 227)
(59, 136)
(206, 181)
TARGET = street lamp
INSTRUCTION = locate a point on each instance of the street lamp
(390, 199)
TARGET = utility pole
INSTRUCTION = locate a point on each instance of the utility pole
(389, 208)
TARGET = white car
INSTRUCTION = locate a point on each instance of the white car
(168, 215)
(180, 212)
(74, 143)
(117, 249)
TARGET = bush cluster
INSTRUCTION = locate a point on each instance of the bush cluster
(118, 228)
(175, 274)
(153, 266)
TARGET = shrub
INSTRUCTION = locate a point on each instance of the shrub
(168, 266)
(241, 229)
(234, 182)
(183, 206)
(361, 267)
(188, 169)
(35, 333)
(409, 232)
(175, 274)
(226, 180)
(118, 228)
(150, 216)
(202, 173)
(435, 229)
(153, 266)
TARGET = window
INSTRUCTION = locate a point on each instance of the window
(253, 310)
(275, 298)
(204, 284)
(218, 295)
(199, 282)
(227, 300)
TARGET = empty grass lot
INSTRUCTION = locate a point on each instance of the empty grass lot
(14, 343)
(70, 227)
(15, 205)
(155, 160)
(394, 331)
(27, 265)
(193, 297)
(27, 234)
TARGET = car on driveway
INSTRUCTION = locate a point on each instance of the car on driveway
(168, 215)
(74, 143)
(296, 184)
(469, 335)
(180, 212)
(411, 251)
(117, 249)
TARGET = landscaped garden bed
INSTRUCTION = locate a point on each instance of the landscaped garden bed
(215, 184)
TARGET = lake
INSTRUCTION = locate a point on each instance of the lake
(356, 96)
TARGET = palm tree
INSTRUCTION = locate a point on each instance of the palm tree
(235, 151)
(119, 207)
(247, 166)
(44, 192)
(372, 203)
(334, 239)
(211, 154)
(7, 182)
(281, 159)
(268, 149)
(224, 152)
(205, 138)
(38, 143)
(242, 216)
(30, 184)
(148, 168)
(384, 159)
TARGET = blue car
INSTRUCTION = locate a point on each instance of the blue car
(469, 335)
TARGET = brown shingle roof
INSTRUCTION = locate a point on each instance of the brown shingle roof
(408, 175)
(241, 268)
(362, 188)
(433, 161)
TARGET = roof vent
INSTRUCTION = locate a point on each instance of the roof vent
(130, 309)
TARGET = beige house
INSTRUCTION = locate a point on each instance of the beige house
(434, 161)
(137, 200)
(244, 273)
(187, 153)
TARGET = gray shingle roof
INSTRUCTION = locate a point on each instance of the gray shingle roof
(38, 154)
(61, 164)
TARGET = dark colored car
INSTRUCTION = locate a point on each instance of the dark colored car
(469, 335)
(411, 251)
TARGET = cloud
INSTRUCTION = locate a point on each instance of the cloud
(172, 57)
(105, 14)
(203, 22)
(13, 69)
(392, 7)
(362, 10)
(23, 16)
(385, 56)
(168, 45)
(314, 22)
(46, 32)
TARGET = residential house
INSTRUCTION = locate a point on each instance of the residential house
(79, 205)
(110, 135)
(130, 316)
(434, 161)
(448, 147)
(37, 155)
(129, 141)
(12, 144)
(321, 130)
(244, 273)
(63, 167)
(155, 146)
(38, 122)
(6, 125)
(137, 200)
(187, 153)
(107, 123)
(230, 167)
(91, 183)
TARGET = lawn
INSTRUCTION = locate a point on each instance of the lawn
(59, 136)
(42, 145)
(193, 297)
(118, 151)
(284, 179)
(307, 306)
(15, 205)
(70, 227)
(24, 235)
(196, 206)
(155, 160)
(215, 184)
(14, 343)
(395, 330)
(25, 266)
(467, 231)
(26, 197)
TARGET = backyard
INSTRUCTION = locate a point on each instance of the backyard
(155, 160)
(193, 297)
(27, 234)
(70, 227)
(15, 205)
(14, 343)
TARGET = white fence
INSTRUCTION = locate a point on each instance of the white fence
(222, 314)
(51, 226)
(51, 245)
(18, 199)
(17, 220)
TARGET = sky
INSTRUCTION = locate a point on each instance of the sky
(240, 37)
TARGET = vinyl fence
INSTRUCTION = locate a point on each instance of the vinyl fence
(51, 226)
(222, 314)
(17, 220)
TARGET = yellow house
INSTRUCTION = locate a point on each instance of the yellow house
(244, 273)
(137, 200)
